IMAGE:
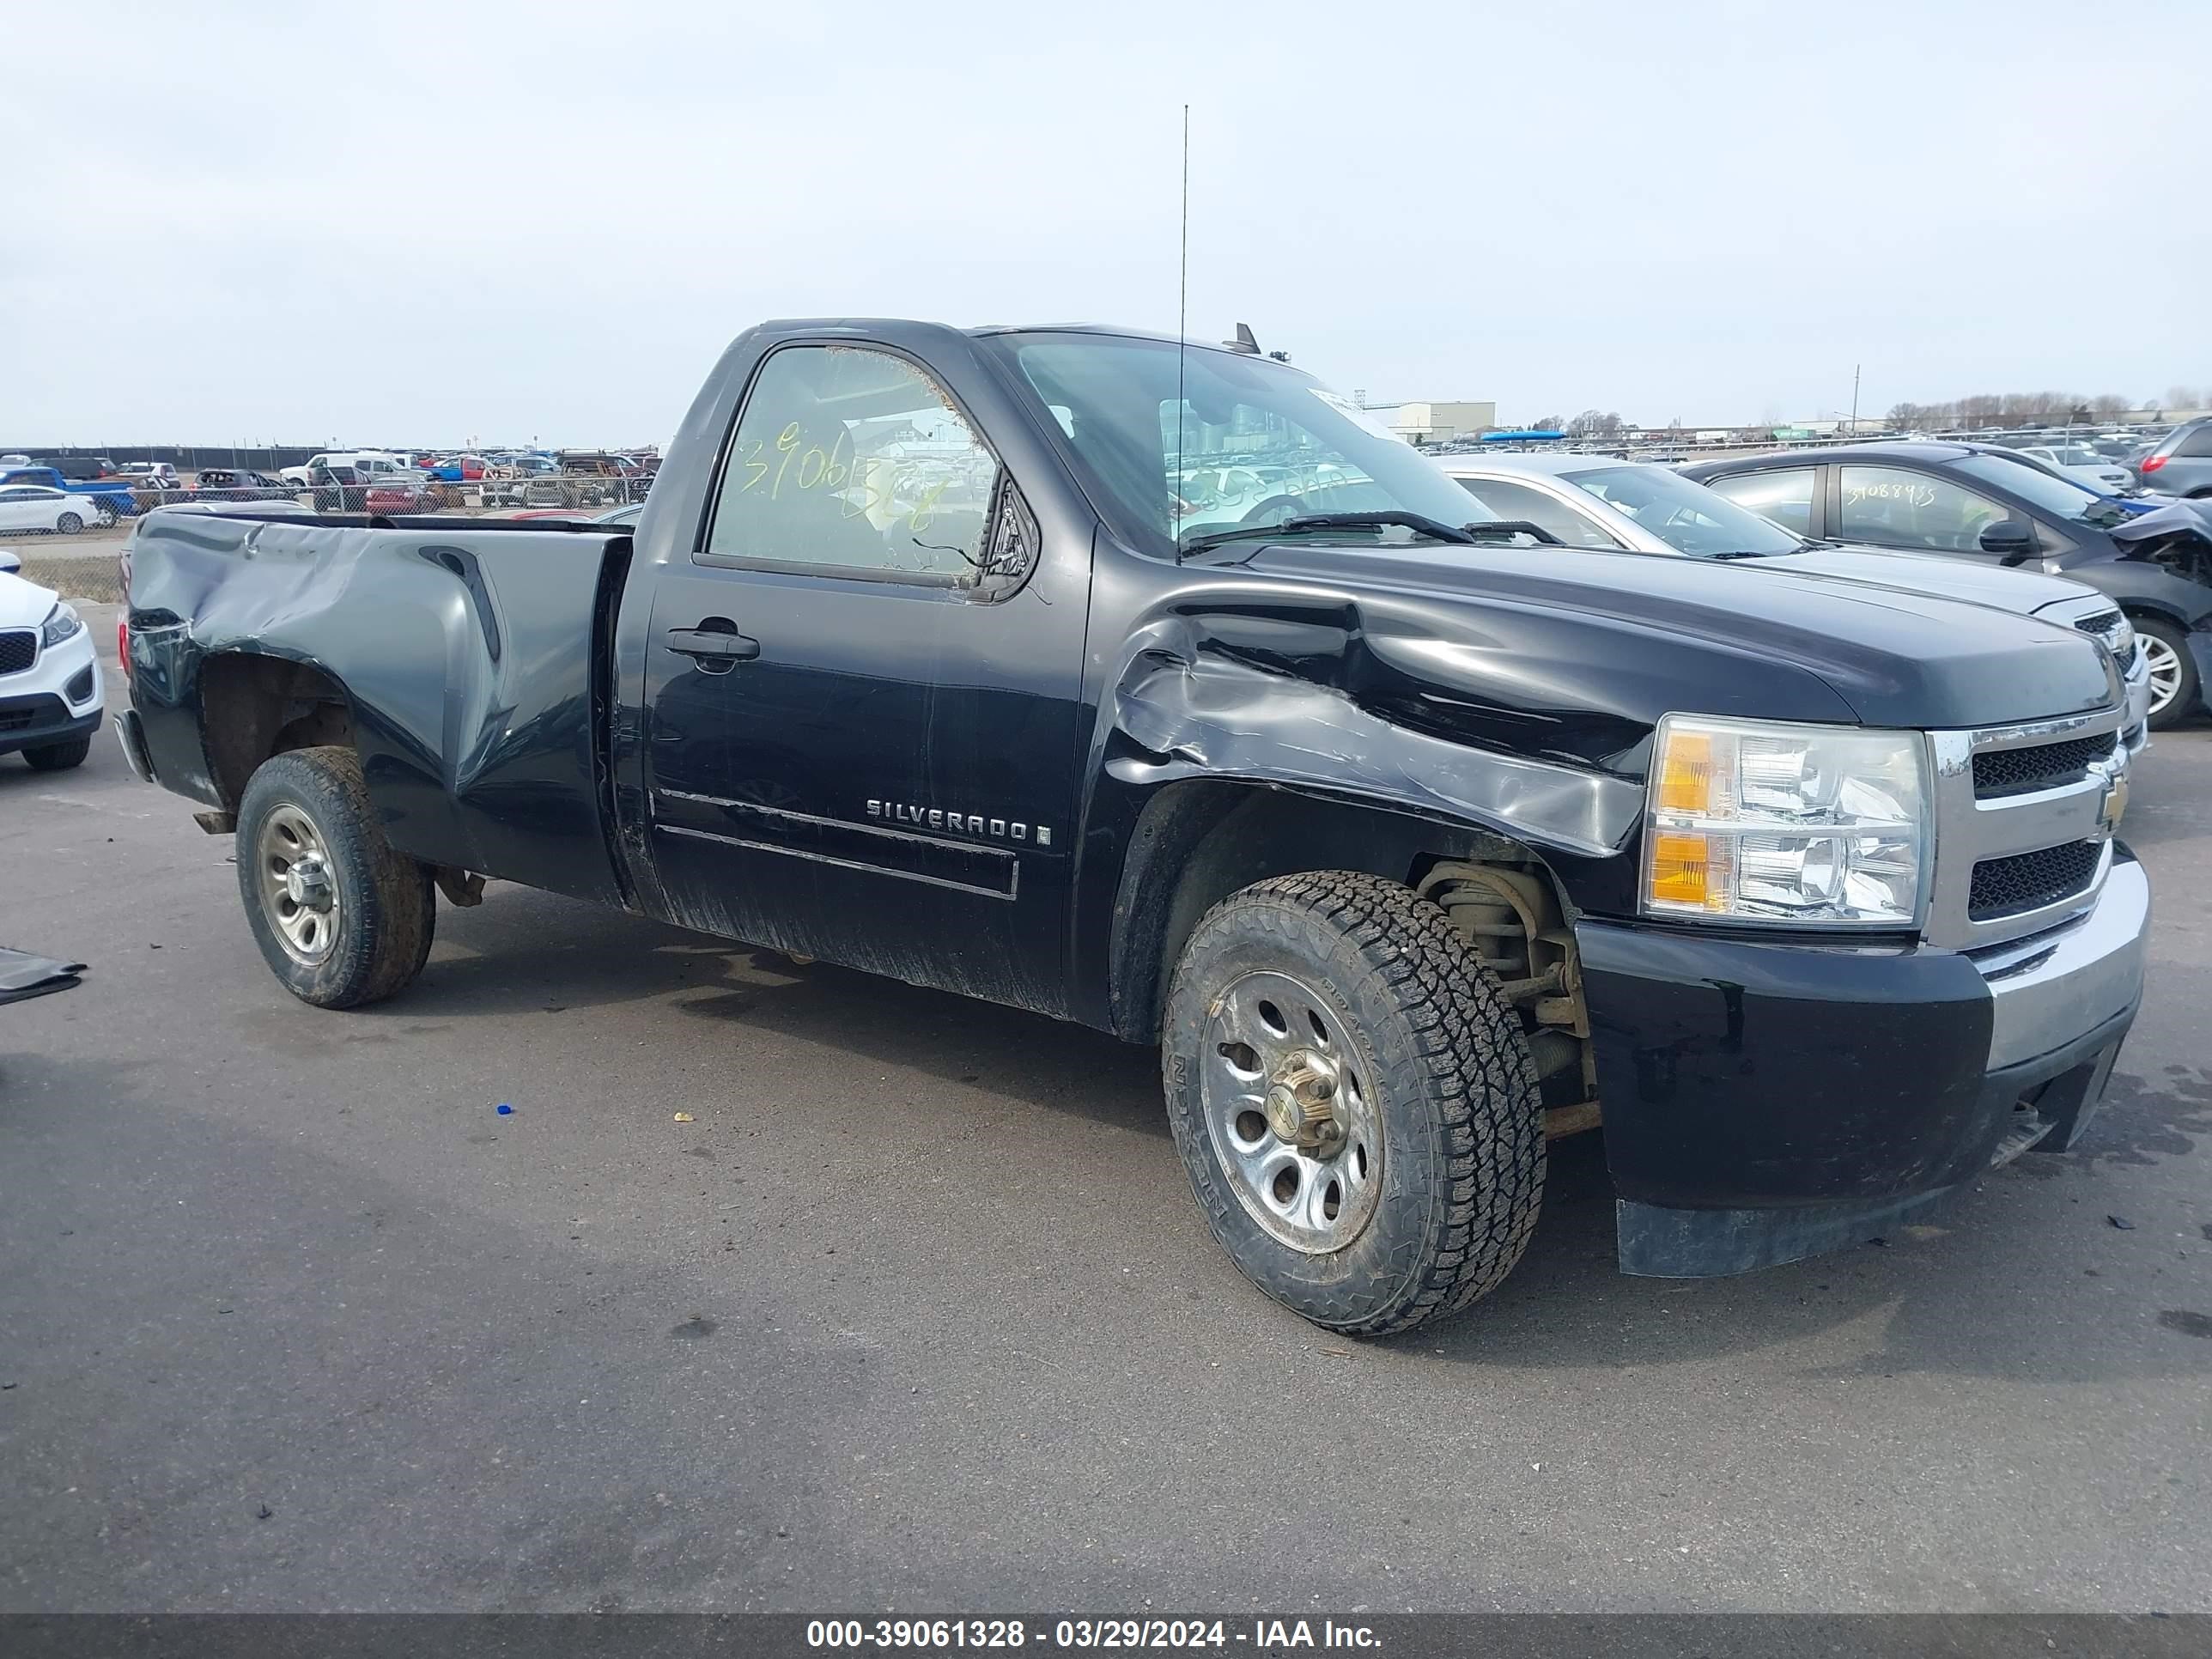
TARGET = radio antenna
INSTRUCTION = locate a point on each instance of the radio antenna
(1182, 332)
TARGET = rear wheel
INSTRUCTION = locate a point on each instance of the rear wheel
(1354, 1101)
(341, 918)
(2172, 672)
(58, 757)
(69, 524)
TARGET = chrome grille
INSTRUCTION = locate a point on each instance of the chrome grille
(2020, 844)
(2033, 881)
(2105, 628)
(19, 648)
(2047, 766)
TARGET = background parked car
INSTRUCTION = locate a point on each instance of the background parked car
(239, 484)
(77, 469)
(2180, 464)
(50, 692)
(1962, 502)
(365, 461)
(599, 478)
(337, 487)
(403, 492)
(1604, 502)
(2081, 463)
(510, 485)
(112, 494)
(41, 506)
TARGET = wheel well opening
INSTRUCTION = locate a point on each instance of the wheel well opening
(1197, 842)
(253, 707)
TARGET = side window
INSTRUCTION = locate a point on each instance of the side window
(1518, 501)
(1913, 509)
(2197, 447)
(1785, 495)
(849, 458)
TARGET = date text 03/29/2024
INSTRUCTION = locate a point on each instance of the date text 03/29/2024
(1258, 1635)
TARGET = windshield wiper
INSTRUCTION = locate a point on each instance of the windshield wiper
(1475, 532)
(1433, 528)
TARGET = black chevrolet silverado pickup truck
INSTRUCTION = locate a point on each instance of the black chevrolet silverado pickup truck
(1148, 685)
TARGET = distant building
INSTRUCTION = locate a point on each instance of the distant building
(1439, 424)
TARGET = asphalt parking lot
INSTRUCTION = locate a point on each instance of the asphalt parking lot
(915, 1311)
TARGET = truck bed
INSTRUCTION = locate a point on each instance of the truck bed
(469, 654)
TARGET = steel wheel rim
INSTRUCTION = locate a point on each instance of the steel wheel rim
(1263, 1033)
(2163, 663)
(299, 893)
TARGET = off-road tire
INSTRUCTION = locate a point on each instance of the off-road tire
(2187, 694)
(387, 907)
(1463, 1165)
(58, 757)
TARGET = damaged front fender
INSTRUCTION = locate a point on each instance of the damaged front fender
(1195, 699)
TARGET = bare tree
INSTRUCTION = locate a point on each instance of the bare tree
(1549, 424)
(1594, 423)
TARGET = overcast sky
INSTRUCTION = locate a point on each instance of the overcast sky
(481, 222)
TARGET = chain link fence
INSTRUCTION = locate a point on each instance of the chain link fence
(69, 540)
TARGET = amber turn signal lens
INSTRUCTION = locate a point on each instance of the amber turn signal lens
(1686, 776)
(1681, 869)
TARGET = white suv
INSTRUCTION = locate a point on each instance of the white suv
(50, 695)
(365, 461)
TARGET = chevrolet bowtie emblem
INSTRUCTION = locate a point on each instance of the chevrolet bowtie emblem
(2115, 803)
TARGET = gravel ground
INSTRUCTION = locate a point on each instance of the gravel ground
(916, 1312)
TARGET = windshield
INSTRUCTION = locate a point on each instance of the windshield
(1689, 517)
(1252, 442)
(2046, 491)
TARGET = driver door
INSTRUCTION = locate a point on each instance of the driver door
(859, 748)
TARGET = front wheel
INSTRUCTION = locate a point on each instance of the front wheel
(341, 918)
(1354, 1101)
(58, 757)
(2172, 672)
(69, 524)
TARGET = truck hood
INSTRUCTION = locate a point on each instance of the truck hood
(2021, 592)
(1637, 637)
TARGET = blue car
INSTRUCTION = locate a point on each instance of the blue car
(114, 494)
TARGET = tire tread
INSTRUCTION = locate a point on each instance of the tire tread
(390, 937)
(1469, 1058)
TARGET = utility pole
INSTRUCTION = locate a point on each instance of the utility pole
(1855, 400)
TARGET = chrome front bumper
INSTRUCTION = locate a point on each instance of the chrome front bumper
(2134, 727)
(2049, 991)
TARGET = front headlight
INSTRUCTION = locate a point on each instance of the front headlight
(1759, 821)
(61, 622)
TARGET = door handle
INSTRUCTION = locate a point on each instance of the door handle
(706, 645)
